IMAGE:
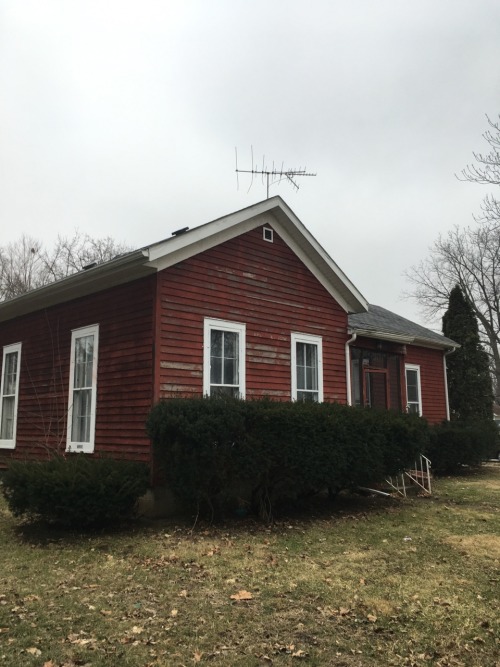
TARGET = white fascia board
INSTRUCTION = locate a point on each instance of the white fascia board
(200, 239)
(319, 261)
(276, 214)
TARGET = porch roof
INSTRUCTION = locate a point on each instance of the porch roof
(383, 324)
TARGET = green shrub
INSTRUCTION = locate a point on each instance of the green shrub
(76, 490)
(454, 444)
(210, 449)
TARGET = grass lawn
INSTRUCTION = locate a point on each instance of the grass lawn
(369, 581)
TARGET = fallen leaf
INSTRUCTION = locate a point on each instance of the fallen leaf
(183, 594)
(372, 618)
(242, 595)
(343, 611)
(197, 656)
(34, 651)
(174, 612)
(136, 630)
(443, 603)
(299, 654)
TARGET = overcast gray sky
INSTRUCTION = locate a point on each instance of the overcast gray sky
(121, 118)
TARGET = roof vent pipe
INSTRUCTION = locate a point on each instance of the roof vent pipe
(178, 232)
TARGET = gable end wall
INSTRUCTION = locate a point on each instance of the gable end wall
(263, 285)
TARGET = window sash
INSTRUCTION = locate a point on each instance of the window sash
(224, 358)
(83, 390)
(413, 389)
(307, 367)
(9, 395)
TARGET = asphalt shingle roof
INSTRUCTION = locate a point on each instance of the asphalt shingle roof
(381, 320)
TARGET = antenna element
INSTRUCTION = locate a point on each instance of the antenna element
(273, 175)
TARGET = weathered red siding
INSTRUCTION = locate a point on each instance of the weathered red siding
(263, 285)
(431, 379)
(124, 376)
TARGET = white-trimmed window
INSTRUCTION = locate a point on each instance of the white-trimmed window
(307, 367)
(413, 389)
(9, 395)
(224, 358)
(82, 389)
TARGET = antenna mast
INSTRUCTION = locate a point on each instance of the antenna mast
(273, 175)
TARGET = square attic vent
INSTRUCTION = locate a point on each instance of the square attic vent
(267, 234)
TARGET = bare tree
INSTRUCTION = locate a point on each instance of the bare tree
(470, 258)
(26, 264)
(487, 168)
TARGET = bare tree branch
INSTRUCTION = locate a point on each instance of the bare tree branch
(26, 264)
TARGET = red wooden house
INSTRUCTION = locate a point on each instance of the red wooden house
(249, 304)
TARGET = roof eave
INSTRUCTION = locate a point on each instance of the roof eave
(115, 272)
(404, 338)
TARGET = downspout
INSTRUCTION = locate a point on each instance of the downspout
(348, 367)
(452, 349)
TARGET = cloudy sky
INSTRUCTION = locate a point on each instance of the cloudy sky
(121, 118)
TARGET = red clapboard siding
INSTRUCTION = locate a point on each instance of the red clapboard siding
(124, 377)
(431, 379)
(263, 285)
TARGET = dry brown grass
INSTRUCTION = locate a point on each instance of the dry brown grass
(368, 582)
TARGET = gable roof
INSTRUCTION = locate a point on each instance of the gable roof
(381, 323)
(150, 259)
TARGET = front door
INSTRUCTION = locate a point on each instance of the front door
(376, 388)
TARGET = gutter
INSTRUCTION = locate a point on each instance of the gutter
(404, 339)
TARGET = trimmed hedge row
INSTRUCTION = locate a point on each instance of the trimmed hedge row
(76, 490)
(210, 449)
(454, 444)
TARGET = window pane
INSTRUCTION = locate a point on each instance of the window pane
(7, 428)
(225, 391)
(230, 344)
(312, 378)
(216, 343)
(10, 374)
(412, 386)
(82, 400)
(216, 370)
(301, 354)
(301, 377)
(413, 408)
(307, 396)
(311, 355)
(84, 357)
(224, 361)
(230, 371)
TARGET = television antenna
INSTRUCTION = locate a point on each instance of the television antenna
(273, 175)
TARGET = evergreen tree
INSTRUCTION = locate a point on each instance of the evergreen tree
(469, 379)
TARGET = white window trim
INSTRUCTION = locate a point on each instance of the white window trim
(83, 447)
(414, 367)
(314, 340)
(9, 349)
(224, 325)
